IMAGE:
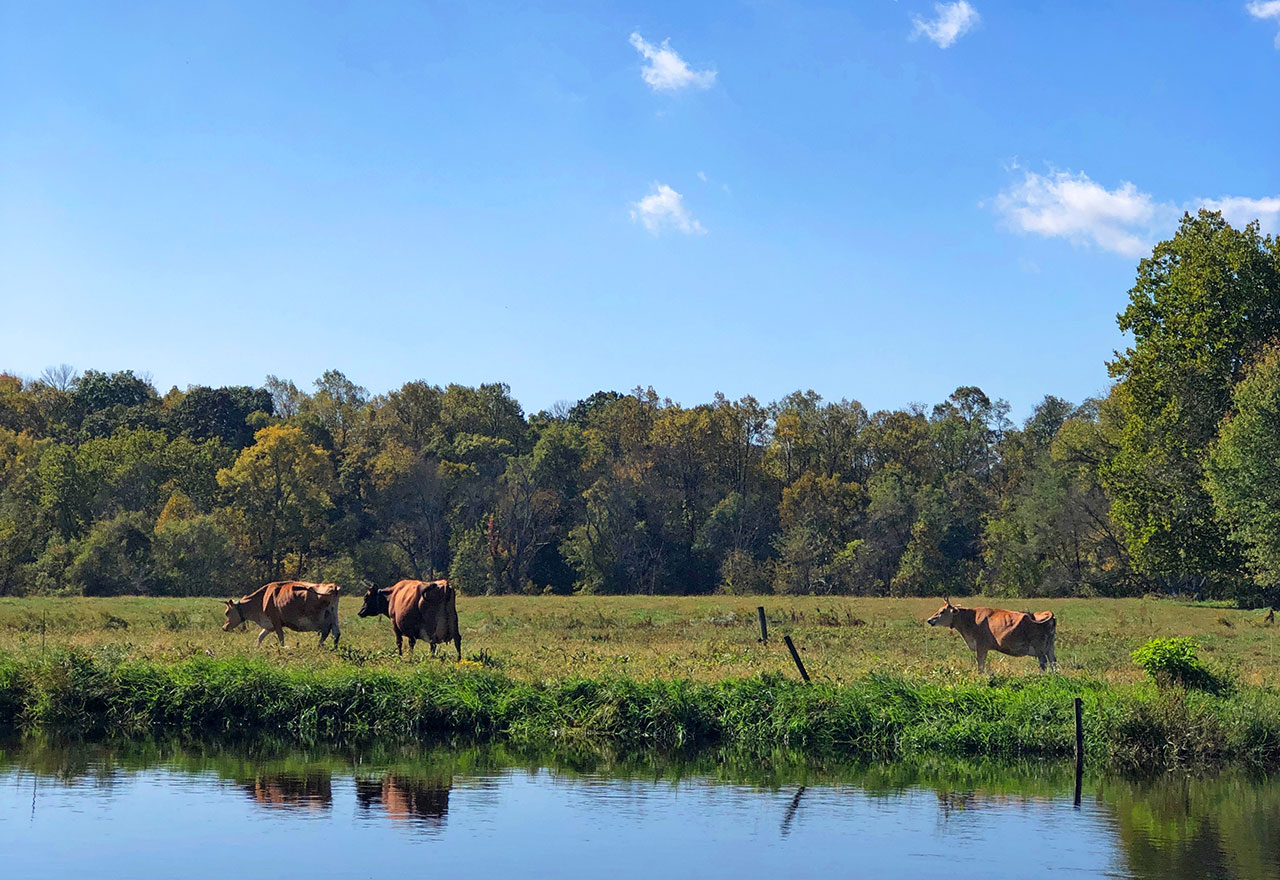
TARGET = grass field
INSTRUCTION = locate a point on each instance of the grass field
(698, 638)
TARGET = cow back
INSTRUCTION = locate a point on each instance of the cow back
(292, 601)
(424, 606)
(1014, 632)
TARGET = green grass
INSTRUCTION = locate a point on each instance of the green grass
(697, 638)
(651, 673)
(876, 716)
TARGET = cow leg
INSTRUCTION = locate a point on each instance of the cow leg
(412, 642)
(262, 635)
(280, 635)
(399, 641)
(433, 648)
(1044, 661)
(982, 660)
(457, 644)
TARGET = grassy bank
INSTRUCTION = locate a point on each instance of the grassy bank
(874, 716)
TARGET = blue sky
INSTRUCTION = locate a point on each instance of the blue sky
(877, 200)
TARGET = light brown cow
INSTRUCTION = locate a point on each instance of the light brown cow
(1016, 633)
(426, 610)
(281, 605)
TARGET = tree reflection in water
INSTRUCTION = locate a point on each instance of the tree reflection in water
(1194, 827)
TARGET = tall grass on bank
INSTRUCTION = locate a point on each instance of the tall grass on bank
(876, 716)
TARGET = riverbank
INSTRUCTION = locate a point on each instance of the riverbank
(878, 717)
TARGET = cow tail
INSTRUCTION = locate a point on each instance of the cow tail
(451, 605)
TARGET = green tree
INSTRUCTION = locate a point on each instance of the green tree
(278, 491)
(1243, 473)
(102, 402)
(1203, 306)
(220, 413)
(410, 505)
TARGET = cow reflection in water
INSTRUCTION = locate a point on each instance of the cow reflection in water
(301, 791)
(422, 801)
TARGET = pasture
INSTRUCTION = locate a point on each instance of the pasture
(703, 639)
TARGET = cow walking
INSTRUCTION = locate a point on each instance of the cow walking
(281, 605)
(1016, 633)
(426, 610)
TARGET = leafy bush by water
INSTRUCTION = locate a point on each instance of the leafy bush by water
(1174, 661)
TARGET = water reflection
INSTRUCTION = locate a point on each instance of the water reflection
(1187, 827)
(925, 817)
(311, 790)
(790, 816)
(422, 801)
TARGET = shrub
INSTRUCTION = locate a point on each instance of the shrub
(1174, 661)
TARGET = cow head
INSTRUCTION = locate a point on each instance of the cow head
(375, 603)
(944, 616)
(234, 616)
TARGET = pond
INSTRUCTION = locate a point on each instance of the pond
(164, 810)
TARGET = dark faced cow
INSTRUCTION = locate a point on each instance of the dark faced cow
(424, 610)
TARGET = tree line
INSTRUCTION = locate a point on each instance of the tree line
(1170, 483)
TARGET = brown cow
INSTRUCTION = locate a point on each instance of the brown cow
(1016, 633)
(281, 605)
(425, 610)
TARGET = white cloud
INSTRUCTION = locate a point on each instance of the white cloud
(702, 175)
(667, 71)
(1240, 210)
(1124, 220)
(951, 22)
(1263, 10)
(663, 208)
(1072, 206)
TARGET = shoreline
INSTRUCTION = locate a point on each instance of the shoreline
(875, 717)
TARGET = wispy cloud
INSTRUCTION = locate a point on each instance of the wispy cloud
(950, 22)
(1124, 220)
(1239, 210)
(1264, 10)
(1072, 206)
(662, 209)
(666, 70)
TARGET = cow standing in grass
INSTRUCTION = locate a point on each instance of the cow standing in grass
(426, 610)
(1016, 633)
(281, 605)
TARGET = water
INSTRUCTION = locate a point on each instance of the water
(148, 810)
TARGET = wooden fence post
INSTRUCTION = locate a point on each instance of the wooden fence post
(795, 655)
(1079, 705)
(764, 627)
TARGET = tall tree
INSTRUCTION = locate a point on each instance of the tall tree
(1204, 304)
(1244, 469)
(279, 490)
